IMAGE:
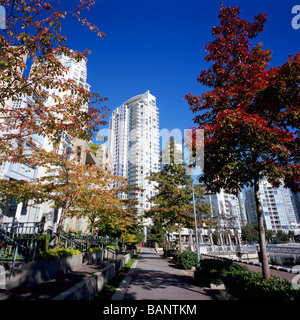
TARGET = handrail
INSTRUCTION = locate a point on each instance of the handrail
(20, 241)
(12, 240)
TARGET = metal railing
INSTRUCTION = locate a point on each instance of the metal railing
(285, 249)
(85, 242)
(219, 249)
(18, 241)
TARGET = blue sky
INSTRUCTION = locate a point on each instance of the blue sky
(158, 45)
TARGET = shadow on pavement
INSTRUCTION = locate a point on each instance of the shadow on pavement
(151, 280)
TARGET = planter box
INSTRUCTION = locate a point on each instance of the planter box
(217, 287)
(87, 289)
(32, 273)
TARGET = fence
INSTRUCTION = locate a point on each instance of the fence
(272, 248)
(219, 249)
(18, 241)
(84, 242)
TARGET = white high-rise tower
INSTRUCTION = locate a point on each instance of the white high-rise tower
(277, 205)
(133, 143)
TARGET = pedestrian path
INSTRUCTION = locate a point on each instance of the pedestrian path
(154, 278)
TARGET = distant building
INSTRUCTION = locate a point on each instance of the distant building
(12, 211)
(22, 212)
(133, 143)
(87, 156)
(228, 211)
(77, 71)
(277, 204)
(104, 158)
(296, 203)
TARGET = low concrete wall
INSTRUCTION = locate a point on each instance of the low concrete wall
(285, 260)
(33, 273)
(87, 289)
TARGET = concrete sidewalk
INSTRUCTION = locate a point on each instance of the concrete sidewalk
(154, 278)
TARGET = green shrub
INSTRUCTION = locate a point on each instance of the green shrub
(186, 259)
(43, 243)
(242, 283)
(57, 253)
(169, 252)
(247, 285)
(214, 271)
(95, 249)
(176, 256)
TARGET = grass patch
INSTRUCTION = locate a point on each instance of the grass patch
(107, 292)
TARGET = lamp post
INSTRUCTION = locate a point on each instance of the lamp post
(196, 229)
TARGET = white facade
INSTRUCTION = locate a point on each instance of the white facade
(277, 204)
(133, 143)
(227, 210)
(75, 71)
(296, 202)
(21, 212)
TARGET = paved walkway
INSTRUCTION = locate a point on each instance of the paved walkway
(154, 278)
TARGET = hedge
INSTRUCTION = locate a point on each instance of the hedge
(43, 243)
(247, 285)
(185, 260)
(242, 283)
(214, 271)
(57, 253)
(169, 252)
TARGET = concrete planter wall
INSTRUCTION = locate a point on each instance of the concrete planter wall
(32, 273)
(87, 289)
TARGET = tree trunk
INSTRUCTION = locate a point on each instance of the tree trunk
(92, 227)
(58, 229)
(180, 242)
(261, 230)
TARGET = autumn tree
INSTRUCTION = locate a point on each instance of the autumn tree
(74, 188)
(250, 115)
(43, 102)
(33, 33)
(106, 210)
(173, 205)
